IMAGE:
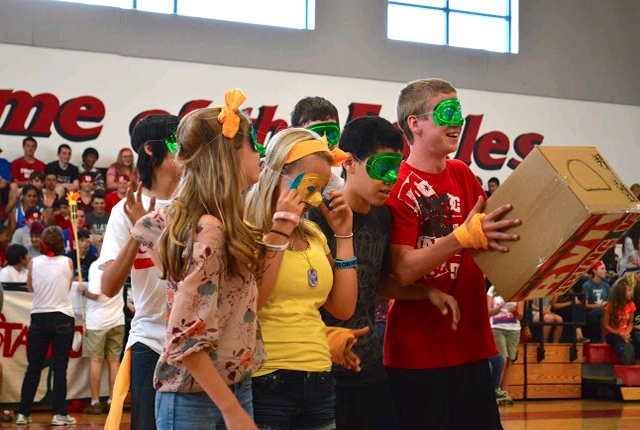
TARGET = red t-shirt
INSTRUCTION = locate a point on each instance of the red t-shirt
(61, 222)
(111, 200)
(426, 207)
(625, 315)
(20, 169)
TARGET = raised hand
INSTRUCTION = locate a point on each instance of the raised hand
(134, 208)
(340, 216)
(492, 228)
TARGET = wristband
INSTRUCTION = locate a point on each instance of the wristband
(288, 216)
(280, 233)
(277, 248)
(346, 264)
(349, 236)
(474, 236)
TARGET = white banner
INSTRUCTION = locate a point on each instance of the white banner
(14, 335)
(92, 99)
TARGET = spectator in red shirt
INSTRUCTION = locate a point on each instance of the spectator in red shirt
(22, 167)
(114, 198)
(5, 239)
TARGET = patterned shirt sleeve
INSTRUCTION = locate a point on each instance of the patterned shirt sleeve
(194, 316)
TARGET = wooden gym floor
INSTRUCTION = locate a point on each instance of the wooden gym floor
(527, 415)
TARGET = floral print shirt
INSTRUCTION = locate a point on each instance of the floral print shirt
(207, 310)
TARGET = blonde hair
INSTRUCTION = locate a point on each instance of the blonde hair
(263, 196)
(212, 183)
(631, 277)
(415, 99)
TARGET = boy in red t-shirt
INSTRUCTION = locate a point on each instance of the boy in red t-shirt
(439, 376)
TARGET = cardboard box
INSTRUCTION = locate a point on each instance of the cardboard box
(573, 208)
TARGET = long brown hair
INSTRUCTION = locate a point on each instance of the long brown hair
(212, 183)
(618, 300)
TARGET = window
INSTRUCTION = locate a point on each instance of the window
(477, 24)
(298, 14)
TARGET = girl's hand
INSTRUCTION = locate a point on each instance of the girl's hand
(340, 217)
(133, 207)
(626, 337)
(492, 228)
(290, 201)
(238, 419)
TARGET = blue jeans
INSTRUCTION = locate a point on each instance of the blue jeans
(294, 400)
(191, 411)
(496, 364)
(55, 328)
(143, 395)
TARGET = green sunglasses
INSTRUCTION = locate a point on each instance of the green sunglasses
(329, 129)
(260, 149)
(448, 113)
(171, 142)
(384, 166)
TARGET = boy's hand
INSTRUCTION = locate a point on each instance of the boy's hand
(133, 208)
(445, 303)
(340, 217)
(81, 288)
(492, 228)
(351, 360)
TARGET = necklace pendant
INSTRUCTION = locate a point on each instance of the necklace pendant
(312, 277)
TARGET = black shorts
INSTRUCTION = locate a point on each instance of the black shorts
(447, 398)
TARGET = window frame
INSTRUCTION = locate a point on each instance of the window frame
(447, 11)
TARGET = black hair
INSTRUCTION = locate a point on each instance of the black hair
(83, 233)
(152, 129)
(494, 180)
(31, 211)
(63, 146)
(479, 180)
(15, 254)
(37, 174)
(364, 136)
(98, 195)
(313, 109)
(89, 151)
(29, 139)
(29, 187)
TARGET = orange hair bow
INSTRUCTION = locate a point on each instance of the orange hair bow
(228, 118)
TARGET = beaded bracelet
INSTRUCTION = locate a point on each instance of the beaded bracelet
(349, 236)
(346, 264)
(288, 216)
(277, 248)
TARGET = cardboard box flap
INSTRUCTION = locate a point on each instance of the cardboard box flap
(591, 179)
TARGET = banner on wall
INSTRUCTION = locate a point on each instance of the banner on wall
(92, 99)
(14, 335)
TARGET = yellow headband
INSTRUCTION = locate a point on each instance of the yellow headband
(312, 146)
(228, 117)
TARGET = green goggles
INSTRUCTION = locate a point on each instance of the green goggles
(384, 166)
(448, 113)
(171, 143)
(329, 129)
(260, 149)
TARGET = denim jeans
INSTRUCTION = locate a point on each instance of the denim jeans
(143, 395)
(294, 400)
(55, 328)
(192, 411)
(496, 364)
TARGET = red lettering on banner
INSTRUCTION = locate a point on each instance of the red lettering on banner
(7, 329)
(266, 125)
(356, 110)
(523, 145)
(489, 144)
(193, 105)
(20, 105)
(86, 109)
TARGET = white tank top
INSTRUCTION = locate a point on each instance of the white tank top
(51, 278)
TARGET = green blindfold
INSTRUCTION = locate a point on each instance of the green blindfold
(384, 166)
(329, 129)
(260, 149)
(448, 113)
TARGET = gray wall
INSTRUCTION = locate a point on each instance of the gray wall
(573, 49)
